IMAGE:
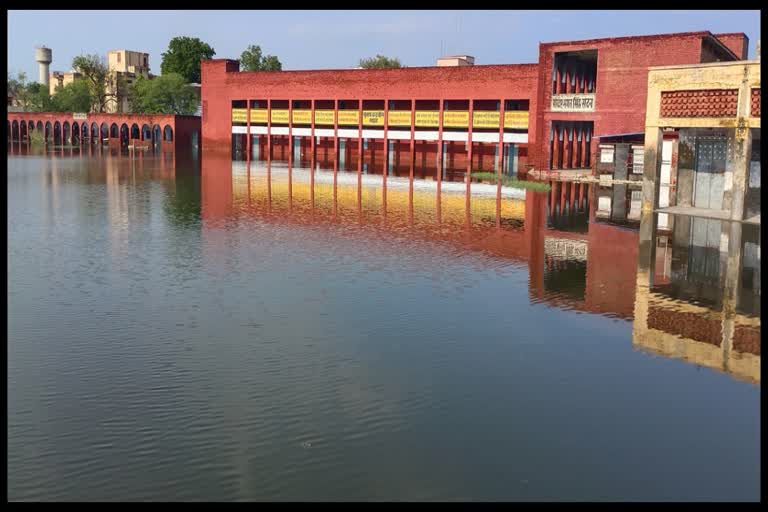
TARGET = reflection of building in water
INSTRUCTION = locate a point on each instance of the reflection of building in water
(698, 294)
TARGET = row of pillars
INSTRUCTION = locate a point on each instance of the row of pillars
(386, 125)
(570, 145)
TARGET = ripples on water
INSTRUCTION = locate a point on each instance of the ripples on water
(188, 334)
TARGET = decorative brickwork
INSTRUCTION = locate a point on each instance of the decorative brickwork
(687, 325)
(754, 103)
(705, 103)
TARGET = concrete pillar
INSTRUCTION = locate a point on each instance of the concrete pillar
(651, 168)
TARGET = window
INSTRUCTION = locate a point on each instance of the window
(118, 57)
(638, 154)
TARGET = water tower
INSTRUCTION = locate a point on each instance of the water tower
(44, 57)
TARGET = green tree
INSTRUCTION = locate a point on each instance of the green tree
(73, 97)
(36, 98)
(183, 57)
(101, 83)
(252, 60)
(380, 61)
(165, 94)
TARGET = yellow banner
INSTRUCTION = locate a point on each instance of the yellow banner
(453, 119)
(516, 119)
(373, 117)
(399, 118)
(428, 118)
(349, 117)
(485, 119)
(324, 117)
(239, 115)
(301, 117)
(280, 116)
(259, 115)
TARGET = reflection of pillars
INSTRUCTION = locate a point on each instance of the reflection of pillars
(731, 286)
(646, 255)
(470, 145)
(269, 186)
(535, 218)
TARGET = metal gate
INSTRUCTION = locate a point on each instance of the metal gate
(709, 171)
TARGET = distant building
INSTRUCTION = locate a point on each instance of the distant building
(59, 79)
(125, 67)
(456, 60)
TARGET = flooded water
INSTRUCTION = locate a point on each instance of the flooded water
(209, 330)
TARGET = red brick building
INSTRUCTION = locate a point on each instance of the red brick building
(162, 131)
(547, 115)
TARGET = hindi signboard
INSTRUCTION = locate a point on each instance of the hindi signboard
(573, 103)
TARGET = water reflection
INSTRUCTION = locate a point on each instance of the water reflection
(219, 330)
(698, 293)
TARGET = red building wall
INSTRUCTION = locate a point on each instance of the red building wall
(220, 88)
(621, 85)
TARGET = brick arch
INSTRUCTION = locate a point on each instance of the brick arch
(57, 133)
(114, 131)
(135, 133)
(75, 133)
(65, 133)
(168, 133)
(104, 133)
(15, 130)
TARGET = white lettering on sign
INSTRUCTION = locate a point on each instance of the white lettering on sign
(78, 116)
(573, 103)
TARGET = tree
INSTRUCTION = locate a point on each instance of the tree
(183, 57)
(252, 60)
(73, 97)
(165, 94)
(101, 83)
(35, 98)
(380, 61)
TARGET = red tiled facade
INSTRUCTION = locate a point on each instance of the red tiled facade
(754, 103)
(702, 103)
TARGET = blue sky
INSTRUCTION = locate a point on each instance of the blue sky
(338, 39)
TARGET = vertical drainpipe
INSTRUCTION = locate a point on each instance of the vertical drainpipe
(386, 157)
(468, 177)
(336, 148)
(290, 132)
(248, 132)
(312, 136)
(269, 129)
(439, 154)
(359, 149)
(500, 162)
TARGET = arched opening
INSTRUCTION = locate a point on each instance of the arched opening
(57, 133)
(23, 130)
(146, 132)
(84, 132)
(9, 131)
(167, 133)
(123, 134)
(65, 133)
(15, 131)
(104, 131)
(40, 128)
(113, 131)
(157, 135)
(75, 134)
(30, 126)
(135, 131)
(94, 133)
